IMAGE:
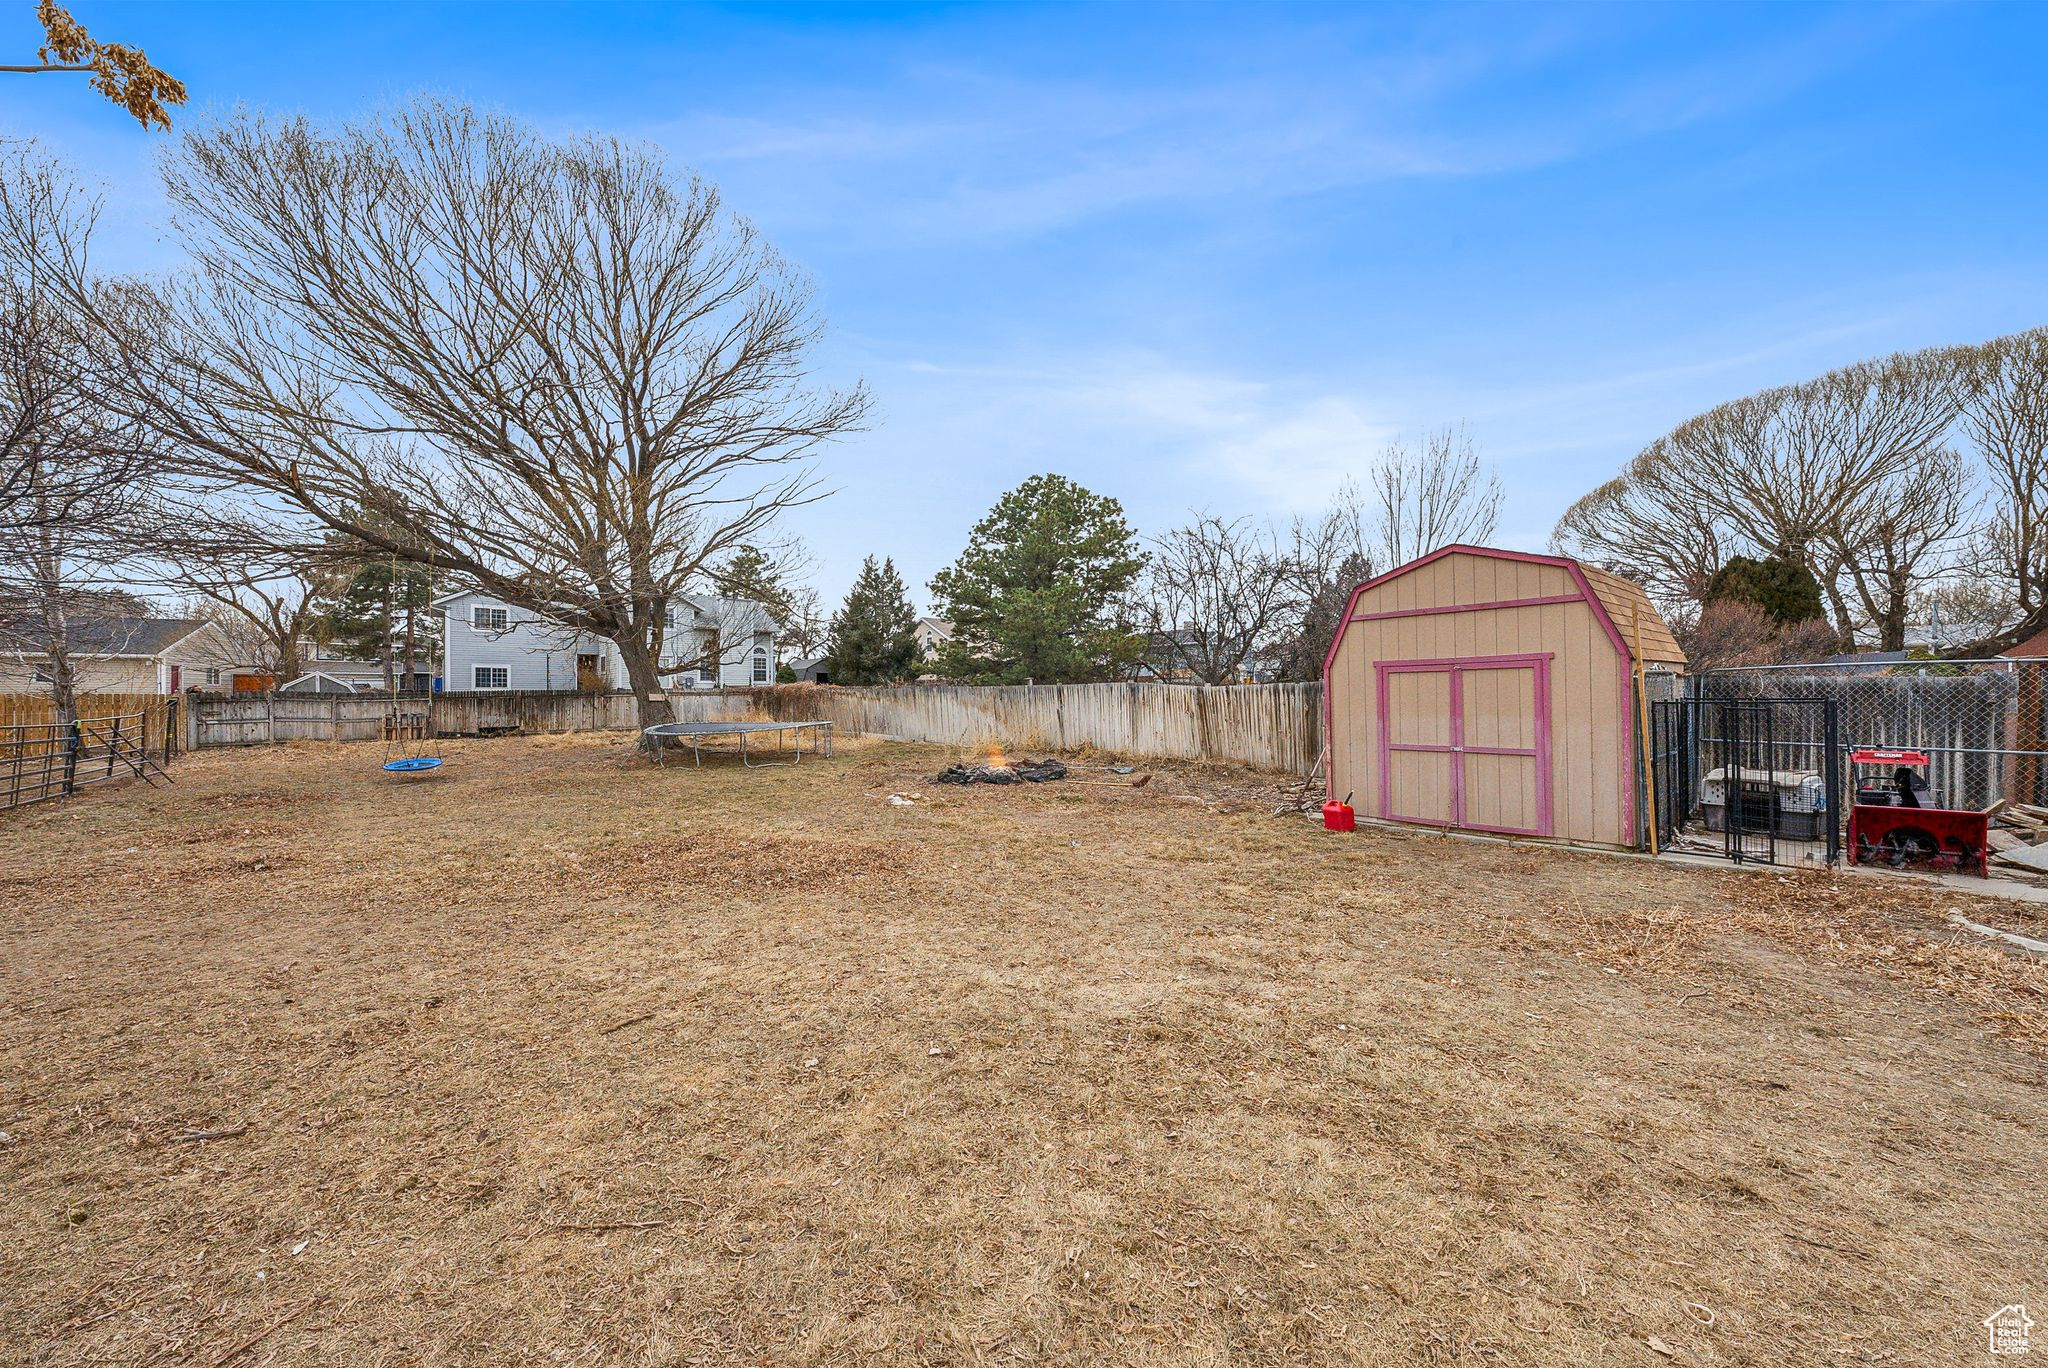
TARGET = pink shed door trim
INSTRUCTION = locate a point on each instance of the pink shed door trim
(1457, 667)
(1624, 674)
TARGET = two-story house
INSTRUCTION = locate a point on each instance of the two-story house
(707, 643)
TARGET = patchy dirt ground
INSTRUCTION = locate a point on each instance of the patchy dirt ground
(557, 1059)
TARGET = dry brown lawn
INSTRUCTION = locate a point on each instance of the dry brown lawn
(559, 1060)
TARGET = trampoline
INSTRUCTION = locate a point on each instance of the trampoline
(658, 738)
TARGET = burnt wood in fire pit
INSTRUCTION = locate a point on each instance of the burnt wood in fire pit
(1023, 772)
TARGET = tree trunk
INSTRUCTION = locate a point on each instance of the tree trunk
(384, 653)
(289, 666)
(412, 618)
(1838, 609)
(63, 684)
(48, 582)
(63, 676)
(653, 701)
(1892, 626)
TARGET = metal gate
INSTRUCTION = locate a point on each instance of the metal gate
(1753, 779)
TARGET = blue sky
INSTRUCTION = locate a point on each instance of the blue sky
(1214, 257)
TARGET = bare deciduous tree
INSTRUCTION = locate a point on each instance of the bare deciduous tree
(1217, 592)
(266, 598)
(74, 474)
(1822, 473)
(554, 370)
(808, 627)
(1430, 496)
(2005, 415)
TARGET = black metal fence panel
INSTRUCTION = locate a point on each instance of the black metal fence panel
(44, 760)
(1981, 722)
(1753, 779)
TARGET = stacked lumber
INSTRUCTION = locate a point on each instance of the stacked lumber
(2019, 836)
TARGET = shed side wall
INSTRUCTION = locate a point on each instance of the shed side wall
(1588, 708)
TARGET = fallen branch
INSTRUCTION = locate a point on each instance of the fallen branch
(629, 1021)
(193, 1137)
(602, 1225)
(267, 1331)
(2026, 943)
(1823, 1244)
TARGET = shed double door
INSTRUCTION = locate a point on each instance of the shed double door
(1466, 743)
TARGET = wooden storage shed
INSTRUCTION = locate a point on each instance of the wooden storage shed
(1494, 691)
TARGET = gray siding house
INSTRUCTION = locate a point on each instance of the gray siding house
(489, 646)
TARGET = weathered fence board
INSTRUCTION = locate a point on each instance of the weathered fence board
(48, 759)
(254, 719)
(35, 709)
(1268, 726)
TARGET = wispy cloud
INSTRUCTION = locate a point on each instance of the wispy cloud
(1179, 435)
(982, 153)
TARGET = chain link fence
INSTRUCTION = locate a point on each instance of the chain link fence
(1980, 722)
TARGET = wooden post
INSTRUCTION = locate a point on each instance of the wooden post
(73, 739)
(1643, 718)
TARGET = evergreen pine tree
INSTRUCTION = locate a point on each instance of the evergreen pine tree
(384, 614)
(874, 634)
(752, 574)
(1040, 592)
(1780, 587)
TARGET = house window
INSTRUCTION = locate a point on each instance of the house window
(760, 664)
(488, 619)
(491, 677)
(213, 674)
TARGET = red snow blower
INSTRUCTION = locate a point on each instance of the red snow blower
(1891, 824)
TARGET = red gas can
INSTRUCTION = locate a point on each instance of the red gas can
(1339, 816)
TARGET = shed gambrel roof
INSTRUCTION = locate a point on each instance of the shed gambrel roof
(1622, 605)
(1627, 604)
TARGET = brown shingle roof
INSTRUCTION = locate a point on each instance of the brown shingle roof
(2034, 647)
(1627, 604)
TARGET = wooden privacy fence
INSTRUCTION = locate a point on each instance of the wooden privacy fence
(35, 709)
(255, 719)
(1267, 726)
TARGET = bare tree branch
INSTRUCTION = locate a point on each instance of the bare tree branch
(553, 370)
(1433, 496)
(1217, 593)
